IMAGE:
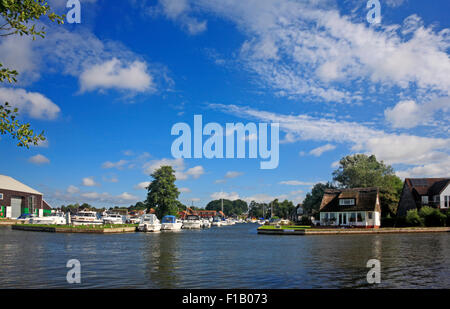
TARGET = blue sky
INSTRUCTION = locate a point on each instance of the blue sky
(107, 92)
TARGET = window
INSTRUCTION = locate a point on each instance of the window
(425, 199)
(352, 217)
(446, 201)
(436, 199)
(346, 201)
(369, 215)
(1, 196)
(359, 217)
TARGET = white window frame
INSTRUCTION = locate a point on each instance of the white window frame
(424, 199)
(343, 202)
(1, 196)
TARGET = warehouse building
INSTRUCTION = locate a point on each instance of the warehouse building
(17, 198)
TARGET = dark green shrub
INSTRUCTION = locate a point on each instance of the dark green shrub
(305, 220)
(432, 216)
(388, 222)
(413, 218)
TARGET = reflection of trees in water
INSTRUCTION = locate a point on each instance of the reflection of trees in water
(162, 259)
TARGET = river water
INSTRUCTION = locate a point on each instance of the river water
(223, 257)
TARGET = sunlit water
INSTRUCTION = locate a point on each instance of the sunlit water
(224, 257)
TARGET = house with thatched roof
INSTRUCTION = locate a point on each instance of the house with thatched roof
(358, 207)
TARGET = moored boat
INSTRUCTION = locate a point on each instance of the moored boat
(86, 217)
(149, 223)
(192, 222)
(171, 223)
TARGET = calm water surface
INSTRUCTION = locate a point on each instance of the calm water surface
(225, 257)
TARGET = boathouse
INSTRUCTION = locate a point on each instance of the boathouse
(418, 192)
(17, 198)
(358, 207)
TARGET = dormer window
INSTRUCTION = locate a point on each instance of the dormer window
(346, 201)
(425, 199)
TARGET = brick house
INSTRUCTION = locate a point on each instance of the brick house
(17, 198)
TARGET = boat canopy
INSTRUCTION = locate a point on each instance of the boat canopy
(149, 219)
(169, 219)
(192, 217)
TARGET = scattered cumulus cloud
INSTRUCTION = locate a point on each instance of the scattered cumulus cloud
(39, 159)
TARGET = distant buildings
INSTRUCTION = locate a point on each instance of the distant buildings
(17, 198)
(418, 192)
(359, 207)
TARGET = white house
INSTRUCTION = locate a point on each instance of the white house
(359, 207)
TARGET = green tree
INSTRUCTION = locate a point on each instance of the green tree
(362, 171)
(17, 18)
(162, 192)
(413, 218)
(313, 199)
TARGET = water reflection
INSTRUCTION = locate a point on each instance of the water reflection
(226, 257)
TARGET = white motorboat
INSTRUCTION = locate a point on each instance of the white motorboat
(149, 223)
(55, 218)
(192, 222)
(171, 223)
(86, 218)
(206, 224)
(112, 218)
(216, 222)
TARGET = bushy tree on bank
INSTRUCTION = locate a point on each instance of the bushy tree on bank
(230, 208)
(362, 171)
(427, 216)
(313, 199)
(163, 193)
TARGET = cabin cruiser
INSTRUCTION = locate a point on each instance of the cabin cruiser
(112, 218)
(206, 224)
(86, 217)
(171, 223)
(216, 222)
(192, 222)
(55, 218)
(149, 223)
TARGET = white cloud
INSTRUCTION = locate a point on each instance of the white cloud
(233, 174)
(195, 172)
(180, 11)
(89, 182)
(105, 197)
(142, 185)
(72, 189)
(184, 190)
(178, 165)
(392, 148)
(297, 183)
(320, 150)
(33, 104)
(39, 159)
(119, 164)
(301, 48)
(117, 74)
(232, 196)
(408, 114)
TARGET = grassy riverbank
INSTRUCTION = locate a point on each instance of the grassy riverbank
(307, 230)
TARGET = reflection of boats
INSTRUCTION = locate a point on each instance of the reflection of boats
(112, 218)
(216, 222)
(149, 223)
(171, 223)
(55, 218)
(192, 222)
(86, 217)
